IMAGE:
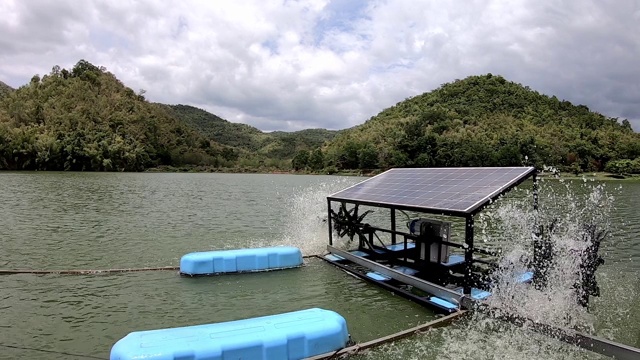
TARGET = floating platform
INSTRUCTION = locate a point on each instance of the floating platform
(294, 335)
(241, 260)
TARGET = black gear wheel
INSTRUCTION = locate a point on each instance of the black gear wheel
(348, 222)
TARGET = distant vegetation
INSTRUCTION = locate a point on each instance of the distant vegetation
(85, 119)
(248, 141)
(487, 121)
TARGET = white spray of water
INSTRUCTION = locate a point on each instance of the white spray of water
(306, 226)
(509, 225)
(570, 211)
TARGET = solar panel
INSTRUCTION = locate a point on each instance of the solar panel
(452, 190)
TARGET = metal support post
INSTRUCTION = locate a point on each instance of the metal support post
(329, 222)
(393, 226)
(468, 254)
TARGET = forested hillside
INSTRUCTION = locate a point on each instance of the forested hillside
(485, 121)
(217, 129)
(85, 119)
(277, 145)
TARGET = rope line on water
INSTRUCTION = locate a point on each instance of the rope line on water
(83, 272)
(357, 348)
(53, 352)
(95, 272)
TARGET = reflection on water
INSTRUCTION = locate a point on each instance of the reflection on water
(75, 220)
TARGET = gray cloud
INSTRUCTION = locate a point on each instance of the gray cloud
(288, 65)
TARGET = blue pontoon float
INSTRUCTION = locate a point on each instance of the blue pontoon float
(241, 260)
(294, 335)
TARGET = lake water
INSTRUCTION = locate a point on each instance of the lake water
(131, 220)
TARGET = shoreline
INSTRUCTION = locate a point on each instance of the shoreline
(206, 169)
(599, 176)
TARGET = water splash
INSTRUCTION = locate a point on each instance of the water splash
(508, 225)
(564, 219)
(306, 225)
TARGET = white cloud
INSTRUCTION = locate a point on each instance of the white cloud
(297, 64)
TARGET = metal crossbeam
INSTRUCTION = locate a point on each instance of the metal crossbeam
(431, 288)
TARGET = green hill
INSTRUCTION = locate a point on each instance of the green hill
(241, 136)
(310, 137)
(284, 145)
(484, 121)
(248, 140)
(85, 119)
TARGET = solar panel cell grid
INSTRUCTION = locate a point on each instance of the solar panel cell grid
(442, 189)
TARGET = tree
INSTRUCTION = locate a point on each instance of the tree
(316, 160)
(348, 156)
(368, 157)
(623, 166)
(301, 160)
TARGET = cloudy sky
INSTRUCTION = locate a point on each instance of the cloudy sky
(289, 65)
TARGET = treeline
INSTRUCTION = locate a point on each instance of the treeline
(624, 166)
(486, 121)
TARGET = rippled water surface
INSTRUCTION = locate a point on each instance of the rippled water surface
(102, 221)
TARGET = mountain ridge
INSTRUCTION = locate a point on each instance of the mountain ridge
(485, 120)
(86, 119)
(280, 145)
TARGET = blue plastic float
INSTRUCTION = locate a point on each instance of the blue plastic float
(294, 335)
(242, 260)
